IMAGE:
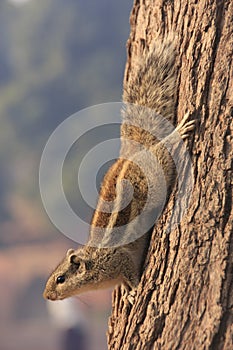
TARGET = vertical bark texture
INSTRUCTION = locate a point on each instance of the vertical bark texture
(185, 297)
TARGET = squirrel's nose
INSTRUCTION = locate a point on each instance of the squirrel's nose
(50, 296)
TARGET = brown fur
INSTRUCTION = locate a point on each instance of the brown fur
(100, 263)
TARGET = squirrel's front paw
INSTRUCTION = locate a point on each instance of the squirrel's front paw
(131, 296)
(128, 295)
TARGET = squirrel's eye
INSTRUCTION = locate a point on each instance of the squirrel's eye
(60, 279)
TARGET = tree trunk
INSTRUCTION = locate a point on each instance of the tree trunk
(185, 297)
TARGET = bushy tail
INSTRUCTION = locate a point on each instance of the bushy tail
(153, 86)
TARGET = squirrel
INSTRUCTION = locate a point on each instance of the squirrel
(150, 93)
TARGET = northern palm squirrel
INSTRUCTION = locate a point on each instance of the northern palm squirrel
(100, 263)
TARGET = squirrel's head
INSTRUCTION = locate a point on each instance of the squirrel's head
(72, 276)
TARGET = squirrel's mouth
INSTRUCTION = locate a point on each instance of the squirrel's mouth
(51, 296)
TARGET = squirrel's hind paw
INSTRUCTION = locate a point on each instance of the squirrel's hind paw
(185, 127)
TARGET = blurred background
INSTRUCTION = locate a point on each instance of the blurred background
(56, 57)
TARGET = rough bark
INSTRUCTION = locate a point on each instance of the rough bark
(185, 297)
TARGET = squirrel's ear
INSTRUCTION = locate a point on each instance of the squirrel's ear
(69, 252)
(74, 259)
